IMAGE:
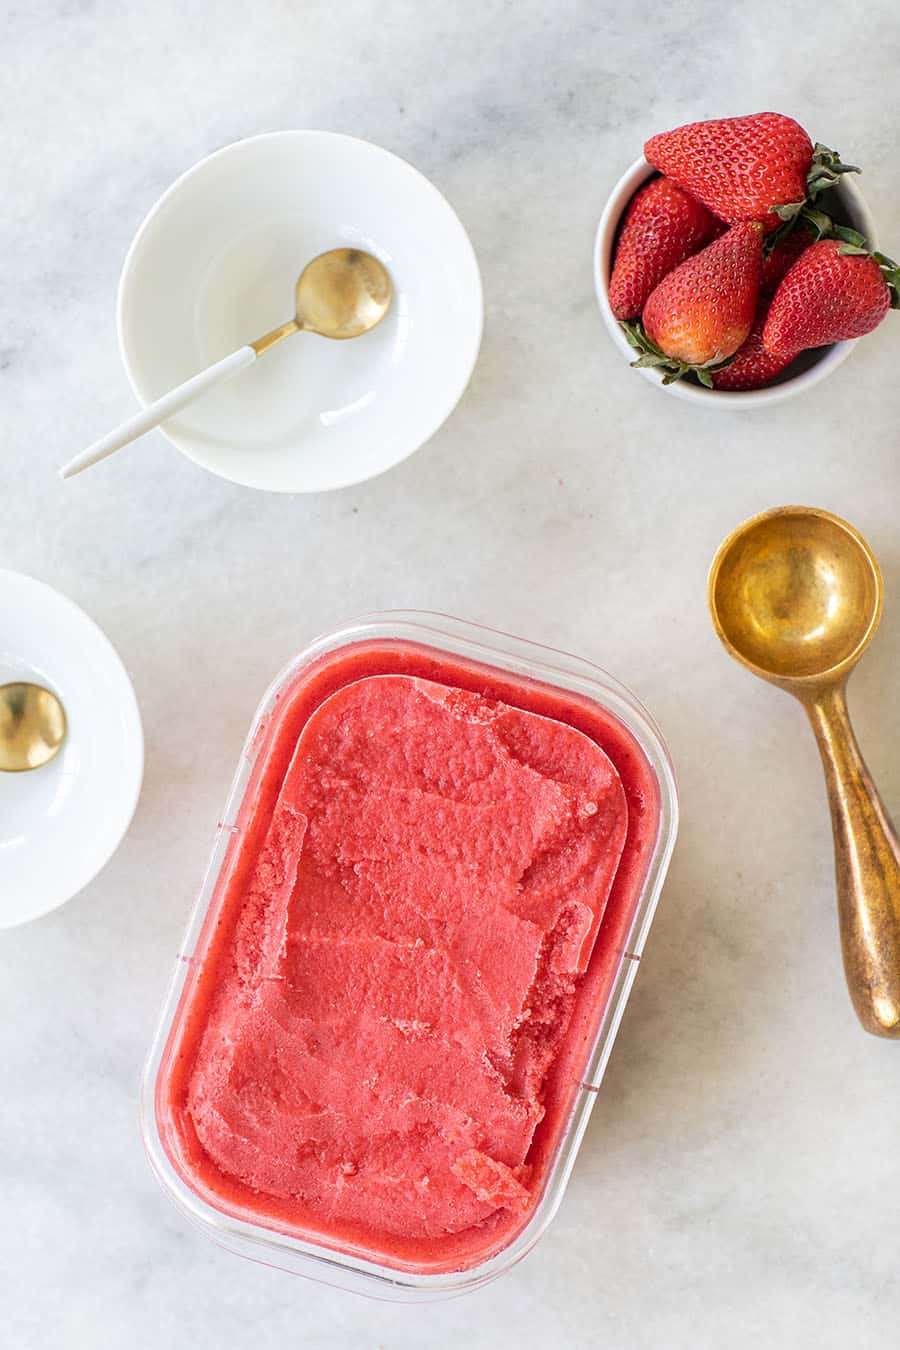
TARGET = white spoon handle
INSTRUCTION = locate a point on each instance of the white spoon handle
(157, 412)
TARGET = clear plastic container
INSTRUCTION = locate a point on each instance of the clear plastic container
(528, 672)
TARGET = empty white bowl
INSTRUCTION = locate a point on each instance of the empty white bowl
(214, 266)
(61, 823)
(808, 369)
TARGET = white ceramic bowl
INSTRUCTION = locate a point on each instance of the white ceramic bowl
(214, 266)
(61, 823)
(802, 374)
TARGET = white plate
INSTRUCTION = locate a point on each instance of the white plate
(214, 266)
(60, 824)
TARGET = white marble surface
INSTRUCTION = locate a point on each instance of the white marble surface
(740, 1183)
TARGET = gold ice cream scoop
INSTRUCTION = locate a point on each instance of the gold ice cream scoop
(796, 597)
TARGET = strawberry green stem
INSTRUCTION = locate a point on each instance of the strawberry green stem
(856, 245)
(669, 367)
(825, 173)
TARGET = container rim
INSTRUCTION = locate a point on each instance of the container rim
(532, 661)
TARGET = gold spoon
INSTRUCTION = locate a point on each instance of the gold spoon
(340, 294)
(32, 726)
(796, 597)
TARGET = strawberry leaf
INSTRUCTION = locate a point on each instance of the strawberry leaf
(669, 367)
(826, 170)
(820, 224)
(851, 237)
(648, 359)
(790, 211)
(891, 273)
(638, 338)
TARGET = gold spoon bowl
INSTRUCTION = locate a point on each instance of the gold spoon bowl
(32, 726)
(796, 596)
(341, 294)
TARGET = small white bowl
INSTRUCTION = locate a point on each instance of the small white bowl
(61, 823)
(214, 266)
(802, 374)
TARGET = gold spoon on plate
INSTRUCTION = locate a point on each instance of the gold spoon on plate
(341, 294)
(796, 597)
(32, 726)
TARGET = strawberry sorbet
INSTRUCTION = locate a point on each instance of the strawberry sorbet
(376, 1035)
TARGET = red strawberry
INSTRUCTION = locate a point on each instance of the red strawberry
(661, 227)
(783, 256)
(834, 291)
(753, 366)
(738, 167)
(702, 312)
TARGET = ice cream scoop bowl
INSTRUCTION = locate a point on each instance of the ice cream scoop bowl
(796, 596)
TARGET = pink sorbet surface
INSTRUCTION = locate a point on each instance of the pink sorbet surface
(406, 958)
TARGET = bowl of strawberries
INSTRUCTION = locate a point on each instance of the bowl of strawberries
(736, 264)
